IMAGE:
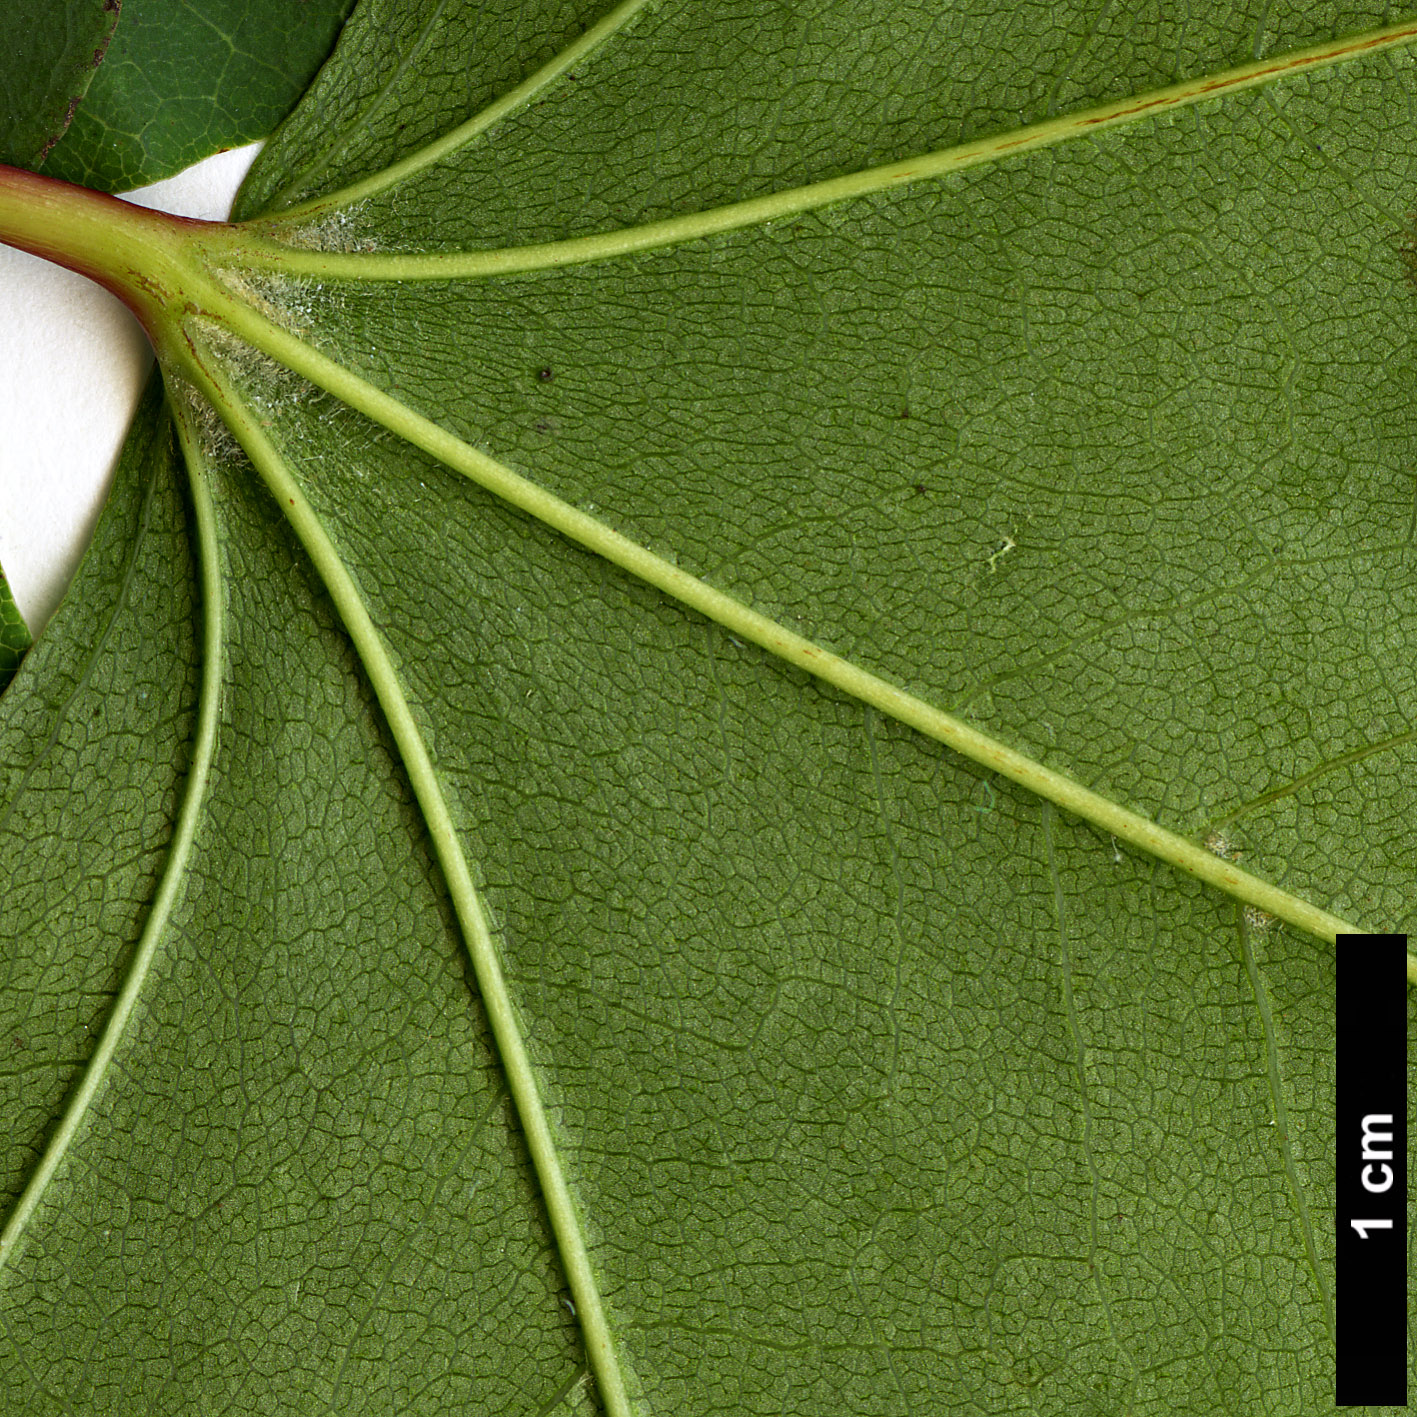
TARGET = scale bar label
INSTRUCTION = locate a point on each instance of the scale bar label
(1370, 1170)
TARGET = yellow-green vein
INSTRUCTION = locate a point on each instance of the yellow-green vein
(349, 603)
(739, 619)
(256, 250)
(178, 852)
(464, 133)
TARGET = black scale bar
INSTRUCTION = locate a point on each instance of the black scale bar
(1370, 1171)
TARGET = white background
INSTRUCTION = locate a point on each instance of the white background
(72, 365)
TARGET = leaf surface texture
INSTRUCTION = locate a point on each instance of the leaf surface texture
(182, 81)
(881, 1086)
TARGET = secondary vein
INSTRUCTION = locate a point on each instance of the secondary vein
(259, 250)
(447, 846)
(178, 852)
(593, 534)
(464, 133)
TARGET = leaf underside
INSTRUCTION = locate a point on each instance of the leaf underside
(881, 1085)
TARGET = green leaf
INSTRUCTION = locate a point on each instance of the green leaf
(182, 81)
(14, 633)
(50, 56)
(542, 952)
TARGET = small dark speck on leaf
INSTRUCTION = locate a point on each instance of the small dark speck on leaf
(544, 375)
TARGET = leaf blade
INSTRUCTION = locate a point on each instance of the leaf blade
(99, 1062)
(179, 84)
(597, 536)
(880, 1084)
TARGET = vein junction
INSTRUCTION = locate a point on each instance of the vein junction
(258, 247)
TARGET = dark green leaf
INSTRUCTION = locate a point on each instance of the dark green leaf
(381, 1119)
(49, 52)
(182, 81)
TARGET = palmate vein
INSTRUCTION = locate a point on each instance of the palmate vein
(267, 250)
(91, 1081)
(452, 860)
(595, 535)
(518, 98)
